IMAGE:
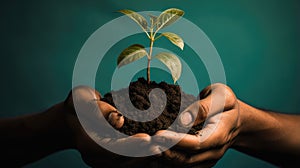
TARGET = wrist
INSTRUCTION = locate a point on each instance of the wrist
(247, 117)
(255, 124)
(31, 137)
(262, 133)
(62, 131)
(52, 128)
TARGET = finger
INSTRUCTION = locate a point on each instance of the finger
(169, 138)
(223, 95)
(88, 105)
(192, 115)
(215, 98)
(213, 135)
(97, 113)
(140, 139)
(184, 141)
(80, 94)
(106, 147)
(116, 119)
(85, 94)
(87, 99)
(111, 114)
(206, 157)
(83, 99)
(133, 145)
(205, 92)
(106, 108)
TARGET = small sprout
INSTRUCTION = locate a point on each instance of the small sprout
(137, 51)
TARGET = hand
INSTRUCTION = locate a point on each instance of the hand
(87, 103)
(219, 106)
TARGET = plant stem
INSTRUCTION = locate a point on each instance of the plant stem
(148, 71)
(149, 59)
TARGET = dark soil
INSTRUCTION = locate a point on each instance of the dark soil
(139, 91)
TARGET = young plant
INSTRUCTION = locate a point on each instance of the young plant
(137, 51)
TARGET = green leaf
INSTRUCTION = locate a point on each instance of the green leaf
(175, 39)
(130, 54)
(152, 19)
(168, 17)
(139, 19)
(172, 62)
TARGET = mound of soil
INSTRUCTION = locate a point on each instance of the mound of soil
(139, 91)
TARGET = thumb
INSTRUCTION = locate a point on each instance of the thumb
(214, 99)
(193, 115)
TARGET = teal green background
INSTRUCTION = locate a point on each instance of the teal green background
(258, 42)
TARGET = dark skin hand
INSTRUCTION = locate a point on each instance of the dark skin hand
(273, 137)
(91, 152)
(29, 138)
(230, 123)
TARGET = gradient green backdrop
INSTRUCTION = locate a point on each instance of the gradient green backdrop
(258, 41)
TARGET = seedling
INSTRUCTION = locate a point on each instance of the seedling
(137, 51)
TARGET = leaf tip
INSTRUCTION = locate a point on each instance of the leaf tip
(123, 11)
(181, 46)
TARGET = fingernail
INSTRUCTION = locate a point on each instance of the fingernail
(186, 118)
(115, 119)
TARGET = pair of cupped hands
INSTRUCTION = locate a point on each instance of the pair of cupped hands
(217, 106)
